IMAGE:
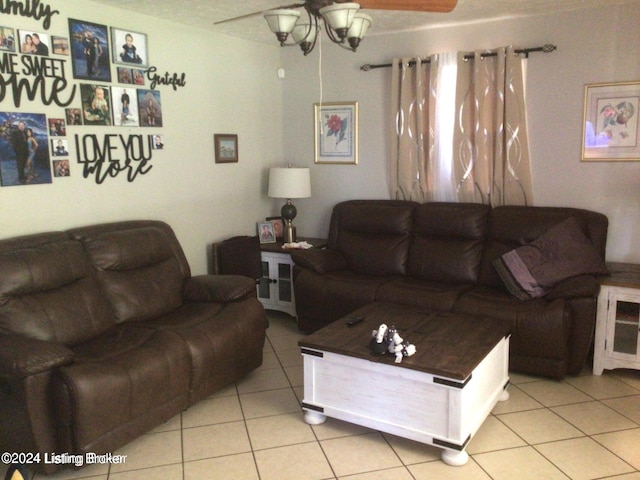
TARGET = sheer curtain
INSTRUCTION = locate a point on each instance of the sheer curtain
(459, 129)
(491, 149)
(413, 89)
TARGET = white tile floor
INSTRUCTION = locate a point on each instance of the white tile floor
(582, 428)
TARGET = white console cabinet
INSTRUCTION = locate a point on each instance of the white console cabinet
(617, 339)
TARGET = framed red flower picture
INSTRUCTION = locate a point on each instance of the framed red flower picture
(336, 132)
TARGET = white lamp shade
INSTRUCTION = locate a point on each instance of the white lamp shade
(281, 20)
(340, 15)
(300, 31)
(289, 183)
(359, 26)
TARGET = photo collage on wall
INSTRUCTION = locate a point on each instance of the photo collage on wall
(34, 148)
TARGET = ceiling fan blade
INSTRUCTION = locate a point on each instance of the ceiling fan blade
(255, 14)
(412, 5)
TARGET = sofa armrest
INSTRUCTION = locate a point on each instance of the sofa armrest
(578, 286)
(22, 357)
(218, 288)
(320, 261)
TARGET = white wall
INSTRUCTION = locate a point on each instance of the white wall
(231, 87)
(594, 46)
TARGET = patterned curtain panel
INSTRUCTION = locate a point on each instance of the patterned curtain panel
(491, 150)
(413, 91)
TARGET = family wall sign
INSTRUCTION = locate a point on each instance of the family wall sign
(29, 8)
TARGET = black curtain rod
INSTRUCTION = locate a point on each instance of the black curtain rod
(548, 48)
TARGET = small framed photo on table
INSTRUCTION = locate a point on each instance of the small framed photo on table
(278, 227)
(266, 232)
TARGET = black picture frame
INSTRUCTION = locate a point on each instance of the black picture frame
(89, 50)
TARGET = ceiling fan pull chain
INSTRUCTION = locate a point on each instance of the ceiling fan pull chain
(320, 75)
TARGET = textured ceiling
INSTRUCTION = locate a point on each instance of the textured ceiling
(203, 13)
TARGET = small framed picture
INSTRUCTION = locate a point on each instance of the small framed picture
(57, 127)
(226, 148)
(96, 104)
(61, 168)
(124, 107)
(129, 48)
(266, 232)
(278, 227)
(150, 108)
(35, 43)
(60, 45)
(7, 39)
(59, 147)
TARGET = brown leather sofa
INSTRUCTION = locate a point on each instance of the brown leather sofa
(438, 257)
(104, 335)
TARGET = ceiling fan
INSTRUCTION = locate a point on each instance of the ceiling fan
(343, 20)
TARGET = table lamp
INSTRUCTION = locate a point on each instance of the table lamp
(289, 183)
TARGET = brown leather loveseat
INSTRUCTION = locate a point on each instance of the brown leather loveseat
(104, 335)
(440, 257)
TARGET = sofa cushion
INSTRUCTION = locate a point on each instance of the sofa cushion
(373, 235)
(139, 266)
(417, 292)
(532, 270)
(225, 341)
(447, 242)
(539, 329)
(119, 383)
(321, 299)
(48, 292)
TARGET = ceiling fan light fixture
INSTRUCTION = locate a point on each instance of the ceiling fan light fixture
(357, 31)
(304, 34)
(281, 22)
(339, 17)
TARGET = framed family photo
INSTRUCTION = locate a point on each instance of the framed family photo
(278, 227)
(336, 132)
(89, 50)
(226, 148)
(129, 48)
(150, 108)
(610, 124)
(266, 233)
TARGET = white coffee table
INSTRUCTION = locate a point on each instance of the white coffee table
(440, 396)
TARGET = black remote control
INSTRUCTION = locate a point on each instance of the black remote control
(354, 320)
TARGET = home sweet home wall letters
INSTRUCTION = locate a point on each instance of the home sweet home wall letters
(31, 75)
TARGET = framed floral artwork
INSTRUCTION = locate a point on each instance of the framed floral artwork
(336, 132)
(610, 125)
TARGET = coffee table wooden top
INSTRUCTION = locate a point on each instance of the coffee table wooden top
(447, 344)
